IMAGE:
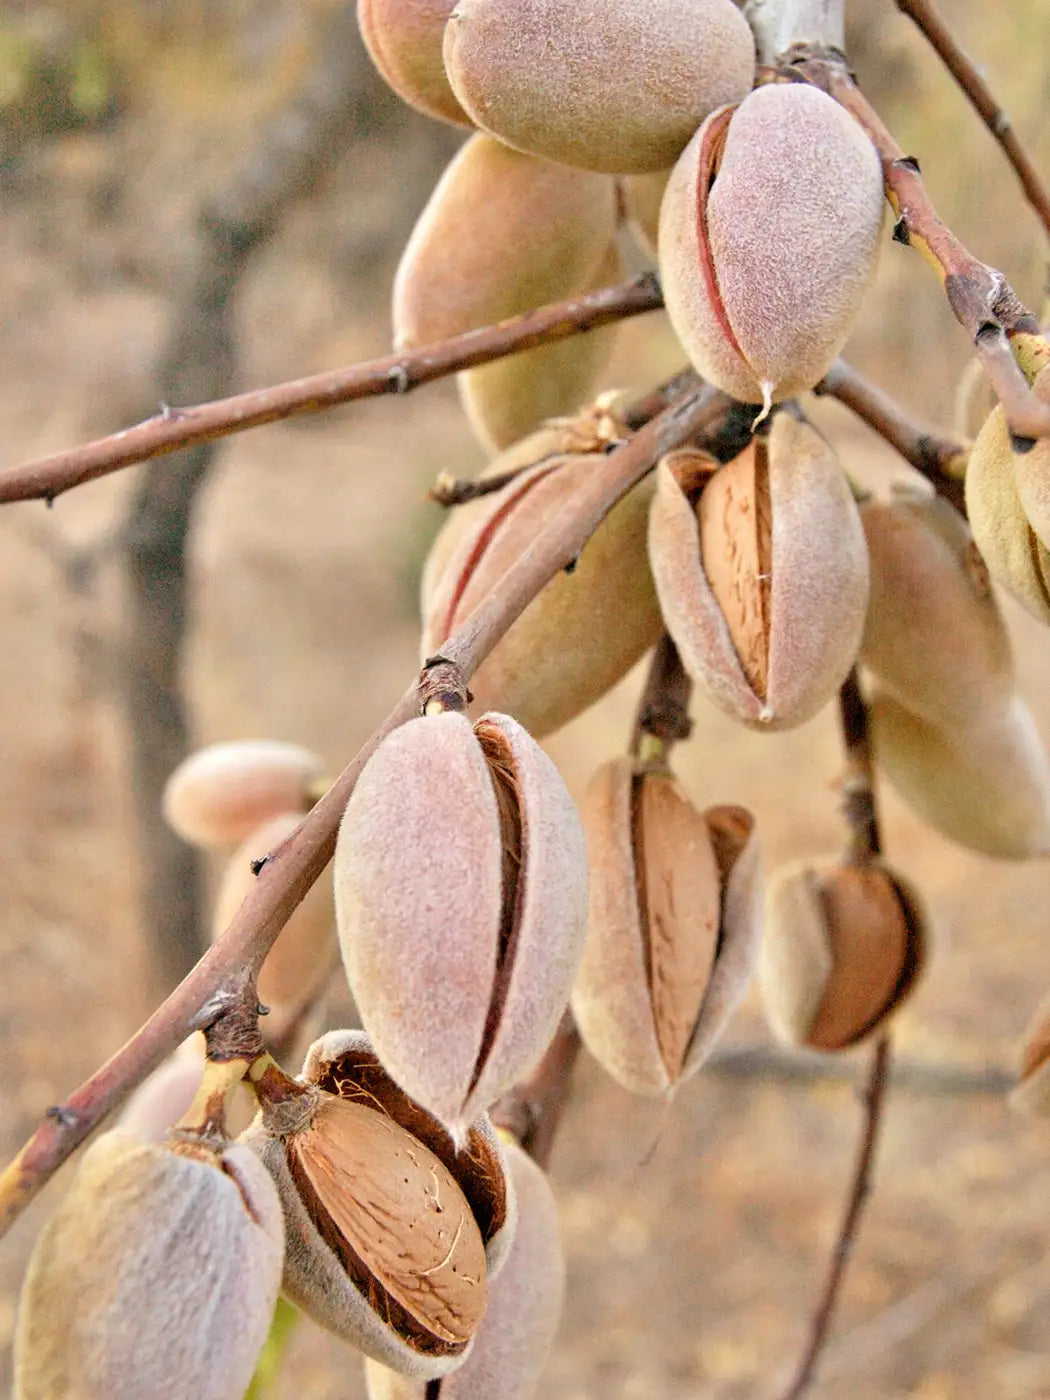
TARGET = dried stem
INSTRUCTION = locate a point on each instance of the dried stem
(203, 996)
(933, 27)
(874, 1098)
(663, 710)
(983, 302)
(941, 459)
(174, 428)
(533, 1109)
(865, 845)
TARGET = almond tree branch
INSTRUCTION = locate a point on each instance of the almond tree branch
(533, 1109)
(49, 477)
(983, 302)
(207, 991)
(1002, 329)
(865, 844)
(980, 96)
(941, 459)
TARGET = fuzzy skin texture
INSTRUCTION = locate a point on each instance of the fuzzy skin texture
(525, 1302)
(585, 629)
(151, 1279)
(986, 786)
(502, 233)
(1015, 555)
(819, 590)
(404, 39)
(934, 635)
(305, 953)
(221, 794)
(314, 1278)
(614, 85)
(793, 220)
(611, 1000)
(418, 889)
(511, 397)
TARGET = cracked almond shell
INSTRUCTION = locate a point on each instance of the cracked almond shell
(985, 785)
(367, 1179)
(1016, 556)
(404, 38)
(762, 582)
(934, 635)
(843, 948)
(525, 1300)
(769, 234)
(461, 900)
(219, 795)
(157, 1275)
(584, 630)
(674, 925)
(617, 87)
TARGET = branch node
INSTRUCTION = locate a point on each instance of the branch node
(64, 1117)
(442, 686)
(399, 379)
(908, 163)
(900, 231)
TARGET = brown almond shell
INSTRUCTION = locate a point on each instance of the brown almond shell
(525, 1301)
(818, 592)
(769, 234)
(315, 1278)
(418, 883)
(585, 629)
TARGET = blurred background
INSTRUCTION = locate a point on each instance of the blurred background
(210, 195)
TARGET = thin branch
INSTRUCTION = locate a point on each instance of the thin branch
(790, 1067)
(940, 459)
(48, 477)
(285, 878)
(980, 96)
(874, 1097)
(663, 709)
(981, 299)
(865, 845)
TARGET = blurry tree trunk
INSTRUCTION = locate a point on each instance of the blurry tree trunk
(341, 98)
